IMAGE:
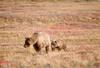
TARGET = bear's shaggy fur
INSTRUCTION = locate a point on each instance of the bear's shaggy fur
(40, 41)
(58, 44)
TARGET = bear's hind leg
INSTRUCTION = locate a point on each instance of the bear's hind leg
(47, 49)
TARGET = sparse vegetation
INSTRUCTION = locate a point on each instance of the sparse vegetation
(49, 0)
(77, 24)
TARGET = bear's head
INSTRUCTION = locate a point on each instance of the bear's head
(27, 42)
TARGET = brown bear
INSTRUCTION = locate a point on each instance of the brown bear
(58, 44)
(40, 41)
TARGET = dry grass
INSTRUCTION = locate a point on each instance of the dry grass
(77, 24)
(48, 0)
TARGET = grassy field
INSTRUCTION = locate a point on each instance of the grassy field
(48, 0)
(76, 23)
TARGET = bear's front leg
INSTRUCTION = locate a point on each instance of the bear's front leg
(31, 50)
(48, 49)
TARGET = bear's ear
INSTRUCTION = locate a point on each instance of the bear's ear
(55, 41)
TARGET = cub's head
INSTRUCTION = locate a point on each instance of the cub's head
(54, 44)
